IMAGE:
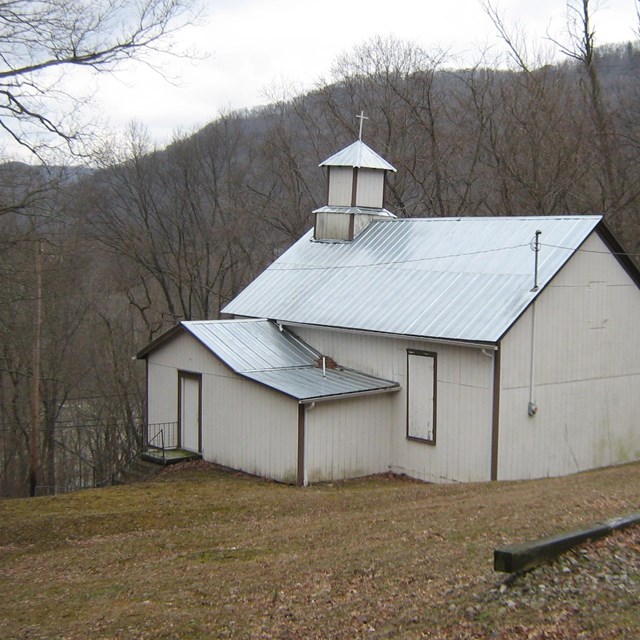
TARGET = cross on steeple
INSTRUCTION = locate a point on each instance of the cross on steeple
(362, 118)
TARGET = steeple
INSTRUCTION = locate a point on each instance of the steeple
(356, 192)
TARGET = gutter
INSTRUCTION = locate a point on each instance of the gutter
(491, 346)
(352, 394)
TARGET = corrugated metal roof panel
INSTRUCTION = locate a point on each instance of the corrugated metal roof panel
(249, 345)
(360, 155)
(308, 383)
(448, 278)
(258, 350)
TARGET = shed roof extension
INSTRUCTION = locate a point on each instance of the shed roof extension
(462, 279)
(260, 351)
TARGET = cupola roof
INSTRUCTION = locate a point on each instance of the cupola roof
(358, 155)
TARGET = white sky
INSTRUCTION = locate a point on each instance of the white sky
(256, 44)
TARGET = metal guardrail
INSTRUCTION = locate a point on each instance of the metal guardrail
(162, 436)
(160, 447)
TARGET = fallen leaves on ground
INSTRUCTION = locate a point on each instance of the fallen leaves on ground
(203, 553)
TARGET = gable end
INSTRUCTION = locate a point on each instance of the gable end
(618, 252)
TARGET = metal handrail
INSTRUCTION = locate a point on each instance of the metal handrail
(150, 444)
(164, 432)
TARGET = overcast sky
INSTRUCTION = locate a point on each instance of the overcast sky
(253, 45)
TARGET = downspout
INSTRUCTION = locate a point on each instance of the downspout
(532, 407)
(300, 478)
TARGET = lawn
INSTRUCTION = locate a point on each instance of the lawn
(203, 553)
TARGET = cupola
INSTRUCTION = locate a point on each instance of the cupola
(356, 178)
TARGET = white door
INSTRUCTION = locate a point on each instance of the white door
(190, 411)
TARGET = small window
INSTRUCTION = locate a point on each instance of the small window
(421, 396)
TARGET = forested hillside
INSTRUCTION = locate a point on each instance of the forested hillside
(148, 237)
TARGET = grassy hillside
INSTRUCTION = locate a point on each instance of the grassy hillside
(201, 553)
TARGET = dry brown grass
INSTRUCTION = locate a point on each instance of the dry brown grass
(209, 554)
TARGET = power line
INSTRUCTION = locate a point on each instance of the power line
(293, 266)
(604, 253)
(66, 427)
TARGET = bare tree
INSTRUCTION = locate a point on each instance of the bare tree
(178, 221)
(582, 49)
(40, 39)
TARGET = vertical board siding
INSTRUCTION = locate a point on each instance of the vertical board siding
(360, 222)
(586, 373)
(244, 425)
(347, 438)
(464, 402)
(252, 428)
(162, 392)
(332, 226)
(370, 188)
(340, 186)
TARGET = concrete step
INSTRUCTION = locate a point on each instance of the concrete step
(171, 456)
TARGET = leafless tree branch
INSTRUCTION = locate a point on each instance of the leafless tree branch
(38, 38)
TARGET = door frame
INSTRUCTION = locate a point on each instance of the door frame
(197, 377)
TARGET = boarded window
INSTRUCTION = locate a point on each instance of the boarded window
(421, 396)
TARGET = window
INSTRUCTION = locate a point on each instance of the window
(421, 396)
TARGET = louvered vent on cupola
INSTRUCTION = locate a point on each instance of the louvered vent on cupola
(356, 193)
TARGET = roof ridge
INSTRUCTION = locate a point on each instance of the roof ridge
(568, 216)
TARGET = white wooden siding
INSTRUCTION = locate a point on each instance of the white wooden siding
(586, 373)
(252, 424)
(347, 438)
(340, 186)
(360, 222)
(464, 402)
(332, 226)
(244, 425)
(370, 188)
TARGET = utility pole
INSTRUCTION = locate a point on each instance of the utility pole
(34, 473)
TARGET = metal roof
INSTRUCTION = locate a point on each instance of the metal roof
(359, 155)
(251, 345)
(309, 385)
(464, 279)
(374, 211)
(261, 351)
